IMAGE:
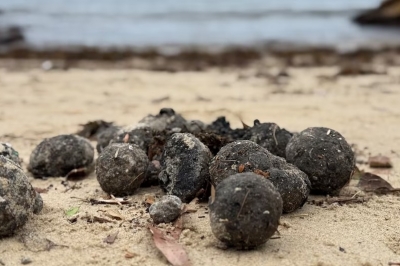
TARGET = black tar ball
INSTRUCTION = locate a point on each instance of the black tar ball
(246, 156)
(18, 199)
(269, 136)
(57, 156)
(185, 163)
(105, 137)
(246, 210)
(324, 155)
(121, 168)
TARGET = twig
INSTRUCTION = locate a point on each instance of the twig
(273, 134)
(119, 203)
(241, 205)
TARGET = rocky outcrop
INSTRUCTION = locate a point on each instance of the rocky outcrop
(387, 14)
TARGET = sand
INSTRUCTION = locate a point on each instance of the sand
(35, 104)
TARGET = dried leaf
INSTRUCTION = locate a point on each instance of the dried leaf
(111, 238)
(241, 168)
(72, 211)
(379, 161)
(41, 190)
(262, 173)
(126, 138)
(130, 255)
(115, 214)
(170, 247)
(373, 183)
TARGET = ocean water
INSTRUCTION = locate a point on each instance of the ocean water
(200, 23)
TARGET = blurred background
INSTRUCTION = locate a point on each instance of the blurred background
(169, 25)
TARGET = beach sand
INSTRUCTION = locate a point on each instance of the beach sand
(36, 104)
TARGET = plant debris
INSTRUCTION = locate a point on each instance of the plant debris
(340, 200)
(114, 200)
(373, 183)
(114, 214)
(130, 255)
(169, 246)
(110, 239)
(71, 211)
(380, 161)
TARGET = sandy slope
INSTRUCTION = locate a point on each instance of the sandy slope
(365, 109)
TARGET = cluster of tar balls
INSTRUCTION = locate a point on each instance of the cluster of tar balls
(258, 172)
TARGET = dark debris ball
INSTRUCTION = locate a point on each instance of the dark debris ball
(58, 156)
(121, 168)
(9, 152)
(246, 156)
(325, 156)
(140, 136)
(18, 199)
(105, 137)
(269, 136)
(184, 163)
(246, 210)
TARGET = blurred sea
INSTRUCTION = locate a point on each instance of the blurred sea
(200, 23)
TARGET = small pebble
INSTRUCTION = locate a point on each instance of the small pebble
(185, 163)
(166, 210)
(246, 210)
(26, 261)
(58, 156)
(121, 168)
(325, 156)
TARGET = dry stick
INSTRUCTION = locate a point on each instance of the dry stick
(394, 263)
(273, 134)
(74, 171)
(117, 201)
(241, 205)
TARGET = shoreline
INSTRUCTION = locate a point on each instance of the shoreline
(194, 59)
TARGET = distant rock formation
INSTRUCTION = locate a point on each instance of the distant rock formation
(11, 35)
(387, 14)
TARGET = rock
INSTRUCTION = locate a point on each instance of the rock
(325, 156)
(246, 156)
(246, 210)
(121, 168)
(8, 151)
(17, 197)
(388, 13)
(11, 35)
(105, 137)
(166, 210)
(269, 136)
(58, 156)
(185, 163)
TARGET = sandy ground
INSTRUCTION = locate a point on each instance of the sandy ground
(366, 109)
